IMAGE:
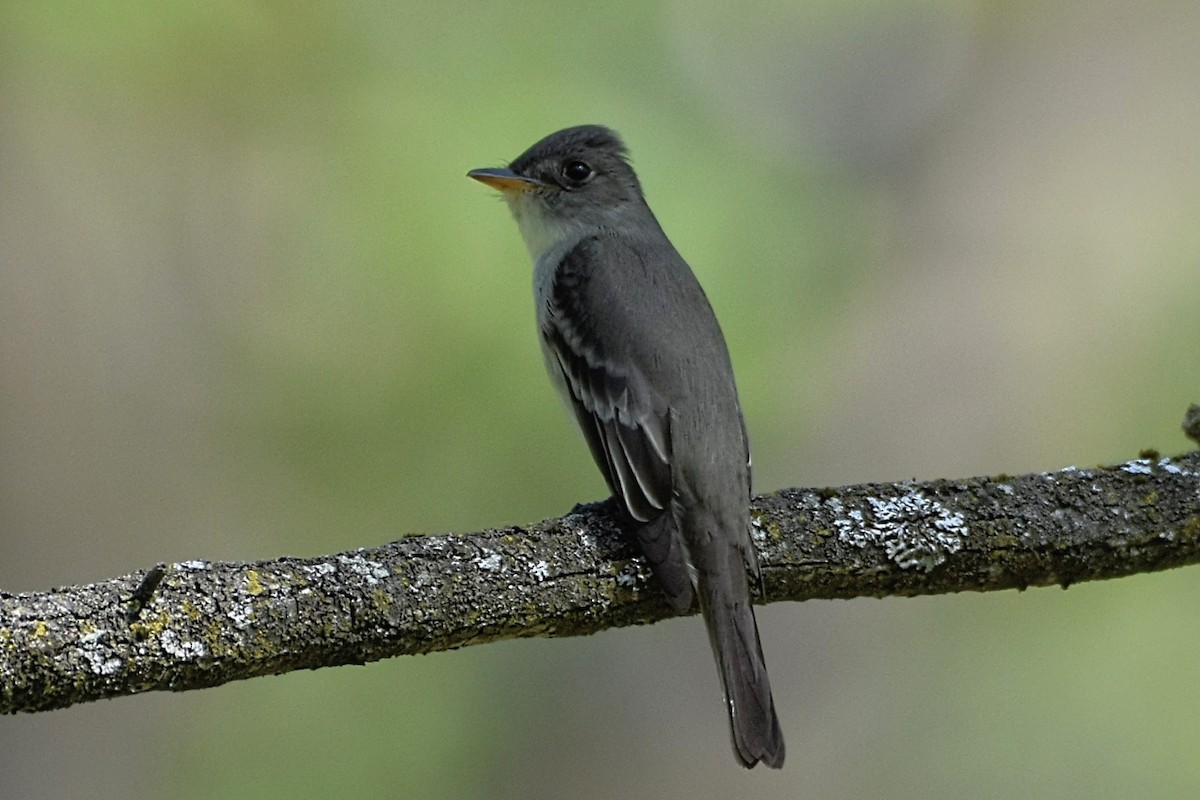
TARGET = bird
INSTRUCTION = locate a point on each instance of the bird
(632, 345)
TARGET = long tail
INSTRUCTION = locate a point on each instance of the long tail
(725, 603)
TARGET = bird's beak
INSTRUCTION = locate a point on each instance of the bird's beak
(504, 179)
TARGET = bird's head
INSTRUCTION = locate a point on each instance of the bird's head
(569, 183)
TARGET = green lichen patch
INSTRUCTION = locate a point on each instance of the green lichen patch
(253, 584)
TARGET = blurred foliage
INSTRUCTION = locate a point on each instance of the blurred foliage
(249, 304)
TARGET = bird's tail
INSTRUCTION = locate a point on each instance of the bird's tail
(729, 615)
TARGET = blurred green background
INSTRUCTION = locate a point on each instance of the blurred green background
(251, 306)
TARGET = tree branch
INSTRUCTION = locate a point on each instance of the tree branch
(195, 624)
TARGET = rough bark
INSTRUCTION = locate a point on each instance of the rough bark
(194, 624)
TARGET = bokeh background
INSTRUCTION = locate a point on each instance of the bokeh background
(251, 306)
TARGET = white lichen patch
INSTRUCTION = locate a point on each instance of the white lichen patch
(100, 659)
(628, 577)
(1139, 466)
(317, 571)
(488, 562)
(185, 649)
(757, 534)
(914, 530)
(1171, 468)
(587, 539)
(370, 571)
(541, 570)
(101, 663)
(193, 565)
(241, 614)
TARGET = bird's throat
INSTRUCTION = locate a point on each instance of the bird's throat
(540, 230)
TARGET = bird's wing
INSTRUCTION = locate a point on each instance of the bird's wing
(627, 423)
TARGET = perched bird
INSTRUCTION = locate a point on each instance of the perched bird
(632, 344)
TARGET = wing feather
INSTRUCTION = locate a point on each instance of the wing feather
(625, 421)
(625, 428)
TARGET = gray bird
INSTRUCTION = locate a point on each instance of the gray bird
(634, 348)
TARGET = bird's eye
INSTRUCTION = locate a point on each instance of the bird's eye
(577, 171)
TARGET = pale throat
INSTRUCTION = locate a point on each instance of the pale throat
(540, 231)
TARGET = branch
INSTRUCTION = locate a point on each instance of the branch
(195, 624)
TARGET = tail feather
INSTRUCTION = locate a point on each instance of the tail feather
(733, 633)
(714, 568)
